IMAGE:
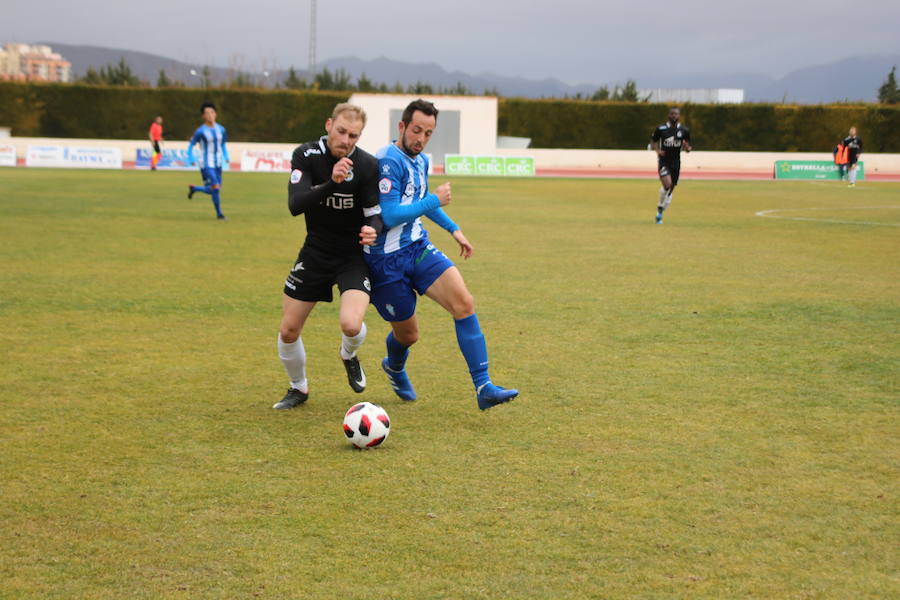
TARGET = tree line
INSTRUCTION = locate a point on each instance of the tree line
(122, 74)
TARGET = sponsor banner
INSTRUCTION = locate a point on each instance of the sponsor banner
(456, 164)
(812, 169)
(518, 166)
(73, 157)
(7, 156)
(491, 166)
(266, 160)
(170, 160)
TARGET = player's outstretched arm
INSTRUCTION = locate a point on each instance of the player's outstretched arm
(225, 156)
(190, 149)
(392, 212)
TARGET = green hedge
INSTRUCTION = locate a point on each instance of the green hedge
(53, 110)
(735, 127)
(82, 111)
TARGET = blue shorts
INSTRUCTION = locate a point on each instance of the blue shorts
(211, 175)
(397, 276)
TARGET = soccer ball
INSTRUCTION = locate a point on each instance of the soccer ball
(366, 425)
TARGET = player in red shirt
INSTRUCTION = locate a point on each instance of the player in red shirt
(156, 133)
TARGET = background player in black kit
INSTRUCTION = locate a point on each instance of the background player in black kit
(334, 184)
(668, 140)
(853, 144)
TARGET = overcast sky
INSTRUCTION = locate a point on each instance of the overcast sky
(576, 41)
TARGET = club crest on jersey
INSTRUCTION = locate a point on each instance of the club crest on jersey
(410, 188)
(384, 186)
(349, 176)
(367, 285)
(296, 174)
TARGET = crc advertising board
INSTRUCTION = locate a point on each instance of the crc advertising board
(73, 157)
(489, 166)
(812, 169)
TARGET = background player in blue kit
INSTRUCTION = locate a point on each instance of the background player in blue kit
(211, 138)
(402, 262)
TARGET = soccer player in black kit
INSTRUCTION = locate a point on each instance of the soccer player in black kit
(334, 185)
(668, 141)
(853, 144)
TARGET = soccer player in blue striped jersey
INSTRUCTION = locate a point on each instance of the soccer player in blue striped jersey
(211, 139)
(403, 262)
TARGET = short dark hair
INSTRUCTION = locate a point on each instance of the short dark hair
(423, 106)
(206, 105)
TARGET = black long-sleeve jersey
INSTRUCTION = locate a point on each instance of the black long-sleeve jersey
(854, 146)
(334, 212)
(670, 138)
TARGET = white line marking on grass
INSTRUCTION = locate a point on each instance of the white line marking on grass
(771, 214)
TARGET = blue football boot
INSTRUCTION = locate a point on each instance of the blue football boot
(400, 382)
(491, 395)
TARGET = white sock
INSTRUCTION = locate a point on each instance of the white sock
(853, 175)
(667, 200)
(349, 345)
(293, 357)
(662, 199)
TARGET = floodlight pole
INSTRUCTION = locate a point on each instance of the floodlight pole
(312, 36)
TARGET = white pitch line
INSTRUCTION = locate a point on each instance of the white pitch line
(770, 214)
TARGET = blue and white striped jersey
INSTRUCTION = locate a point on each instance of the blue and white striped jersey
(213, 152)
(404, 199)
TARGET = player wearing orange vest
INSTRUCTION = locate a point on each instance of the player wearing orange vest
(840, 159)
(853, 145)
(156, 133)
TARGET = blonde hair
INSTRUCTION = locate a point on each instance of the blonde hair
(346, 107)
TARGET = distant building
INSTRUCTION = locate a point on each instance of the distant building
(23, 62)
(694, 96)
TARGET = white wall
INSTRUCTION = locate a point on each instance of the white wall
(544, 158)
(129, 147)
(639, 160)
(477, 119)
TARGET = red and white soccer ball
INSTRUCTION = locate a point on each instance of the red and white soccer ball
(366, 425)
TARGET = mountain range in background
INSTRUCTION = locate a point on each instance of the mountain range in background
(850, 79)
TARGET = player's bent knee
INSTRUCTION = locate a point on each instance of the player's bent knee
(407, 338)
(351, 328)
(288, 333)
(463, 306)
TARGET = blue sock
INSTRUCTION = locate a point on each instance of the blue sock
(474, 348)
(216, 203)
(396, 353)
(202, 188)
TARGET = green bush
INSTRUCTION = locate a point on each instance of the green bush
(84, 111)
(105, 112)
(733, 127)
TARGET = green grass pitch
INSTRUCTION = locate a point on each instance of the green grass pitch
(708, 409)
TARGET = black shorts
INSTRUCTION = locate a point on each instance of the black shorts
(670, 168)
(316, 272)
(156, 147)
(852, 159)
